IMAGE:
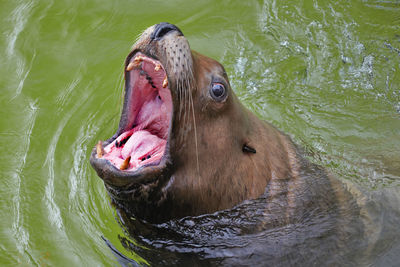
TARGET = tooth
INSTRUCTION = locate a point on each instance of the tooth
(157, 67)
(165, 82)
(136, 62)
(125, 164)
(130, 66)
(99, 149)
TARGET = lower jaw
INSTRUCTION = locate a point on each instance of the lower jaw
(119, 179)
(122, 154)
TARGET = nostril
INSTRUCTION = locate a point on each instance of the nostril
(162, 29)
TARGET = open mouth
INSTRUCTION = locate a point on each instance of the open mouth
(146, 118)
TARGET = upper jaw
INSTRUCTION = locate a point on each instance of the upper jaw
(139, 151)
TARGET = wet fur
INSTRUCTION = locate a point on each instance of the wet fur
(208, 171)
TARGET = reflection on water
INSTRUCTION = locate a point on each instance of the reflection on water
(325, 73)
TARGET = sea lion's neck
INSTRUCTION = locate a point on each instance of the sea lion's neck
(276, 148)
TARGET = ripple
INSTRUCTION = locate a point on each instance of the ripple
(19, 18)
(21, 234)
(54, 211)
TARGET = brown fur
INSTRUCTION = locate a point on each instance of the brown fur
(207, 169)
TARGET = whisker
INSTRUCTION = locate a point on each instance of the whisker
(195, 136)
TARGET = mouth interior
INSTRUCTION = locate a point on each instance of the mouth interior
(148, 116)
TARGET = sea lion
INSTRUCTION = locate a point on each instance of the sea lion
(192, 147)
(186, 146)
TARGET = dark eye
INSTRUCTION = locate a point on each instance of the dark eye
(218, 91)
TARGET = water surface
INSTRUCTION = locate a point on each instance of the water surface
(328, 74)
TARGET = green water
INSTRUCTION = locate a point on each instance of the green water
(328, 74)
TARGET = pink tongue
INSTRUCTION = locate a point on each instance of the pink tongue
(143, 146)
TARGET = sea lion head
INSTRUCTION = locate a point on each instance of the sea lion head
(185, 145)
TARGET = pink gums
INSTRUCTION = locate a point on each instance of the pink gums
(150, 109)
